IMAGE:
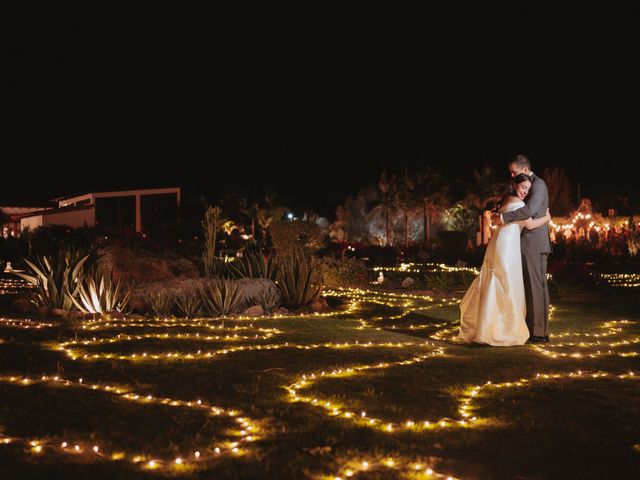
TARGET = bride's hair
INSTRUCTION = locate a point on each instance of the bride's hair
(511, 189)
(517, 180)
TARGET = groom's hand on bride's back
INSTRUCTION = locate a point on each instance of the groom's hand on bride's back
(496, 219)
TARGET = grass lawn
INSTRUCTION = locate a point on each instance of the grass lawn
(379, 390)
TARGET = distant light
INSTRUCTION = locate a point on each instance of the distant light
(290, 216)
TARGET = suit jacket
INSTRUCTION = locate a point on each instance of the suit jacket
(536, 240)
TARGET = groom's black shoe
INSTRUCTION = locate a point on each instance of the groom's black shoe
(545, 339)
(536, 339)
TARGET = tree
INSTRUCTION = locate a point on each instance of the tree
(387, 188)
(484, 191)
(288, 236)
(262, 206)
(211, 224)
(405, 199)
(322, 222)
(269, 213)
(4, 218)
(559, 188)
(433, 191)
(339, 230)
(359, 216)
(459, 218)
(250, 210)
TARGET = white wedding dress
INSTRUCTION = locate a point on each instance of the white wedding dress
(493, 309)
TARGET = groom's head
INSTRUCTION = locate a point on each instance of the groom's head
(519, 164)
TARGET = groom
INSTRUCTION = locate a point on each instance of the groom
(535, 249)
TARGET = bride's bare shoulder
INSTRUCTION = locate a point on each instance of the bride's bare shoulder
(508, 201)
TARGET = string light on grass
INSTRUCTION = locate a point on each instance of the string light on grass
(364, 419)
(107, 322)
(200, 355)
(401, 466)
(427, 267)
(622, 280)
(246, 435)
(23, 323)
(591, 349)
(474, 392)
(262, 335)
(13, 286)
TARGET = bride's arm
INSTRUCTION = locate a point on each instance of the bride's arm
(531, 224)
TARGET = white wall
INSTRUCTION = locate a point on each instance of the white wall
(74, 218)
(31, 223)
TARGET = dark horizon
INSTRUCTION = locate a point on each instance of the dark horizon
(194, 95)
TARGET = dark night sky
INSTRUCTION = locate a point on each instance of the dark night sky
(315, 102)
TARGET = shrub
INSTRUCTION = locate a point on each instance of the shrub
(161, 304)
(254, 264)
(98, 292)
(299, 280)
(189, 303)
(56, 278)
(220, 297)
(441, 281)
(269, 300)
(287, 237)
(342, 271)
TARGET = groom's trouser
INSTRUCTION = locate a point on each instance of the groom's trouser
(534, 269)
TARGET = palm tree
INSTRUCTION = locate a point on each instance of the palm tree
(559, 188)
(387, 189)
(211, 224)
(434, 192)
(405, 199)
(268, 214)
(484, 191)
(250, 209)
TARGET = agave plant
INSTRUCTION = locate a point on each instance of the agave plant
(220, 297)
(98, 292)
(299, 280)
(269, 300)
(441, 282)
(254, 265)
(220, 267)
(160, 303)
(189, 303)
(56, 279)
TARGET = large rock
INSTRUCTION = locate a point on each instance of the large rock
(408, 282)
(254, 311)
(320, 305)
(142, 266)
(23, 305)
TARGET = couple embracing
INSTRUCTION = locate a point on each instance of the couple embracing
(508, 303)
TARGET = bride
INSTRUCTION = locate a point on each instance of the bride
(493, 309)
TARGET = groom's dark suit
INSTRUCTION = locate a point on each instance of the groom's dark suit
(535, 248)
